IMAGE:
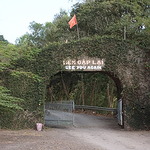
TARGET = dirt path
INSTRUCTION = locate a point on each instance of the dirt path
(88, 133)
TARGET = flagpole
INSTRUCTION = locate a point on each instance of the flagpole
(78, 32)
(73, 22)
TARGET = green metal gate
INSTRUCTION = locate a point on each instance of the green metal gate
(59, 113)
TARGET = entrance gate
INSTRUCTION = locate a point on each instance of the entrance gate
(59, 113)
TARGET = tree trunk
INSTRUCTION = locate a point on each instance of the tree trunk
(93, 92)
(64, 87)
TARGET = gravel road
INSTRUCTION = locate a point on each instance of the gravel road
(88, 133)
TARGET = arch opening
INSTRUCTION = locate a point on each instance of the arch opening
(92, 88)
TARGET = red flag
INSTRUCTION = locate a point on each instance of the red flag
(73, 21)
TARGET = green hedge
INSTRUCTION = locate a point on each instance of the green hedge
(30, 88)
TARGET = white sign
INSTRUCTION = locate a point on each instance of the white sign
(84, 63)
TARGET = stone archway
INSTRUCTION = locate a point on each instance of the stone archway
(119, 59)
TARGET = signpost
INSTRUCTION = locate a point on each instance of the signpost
(83, 63)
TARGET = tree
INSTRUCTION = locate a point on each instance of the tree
(61, 22)
(8, 52)
(2, 39)
(119, 18)
(42, 35)
(85, 89)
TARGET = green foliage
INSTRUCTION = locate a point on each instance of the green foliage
(29, 87)
(2, 39)
(10, 52)
(7, 52)
(26, 86)
(120, 18)
(43, 34)
(20, 119)
(94, 89)
(8, 102)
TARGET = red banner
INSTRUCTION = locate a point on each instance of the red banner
(73, 21)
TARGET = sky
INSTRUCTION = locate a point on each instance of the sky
(16, 15)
